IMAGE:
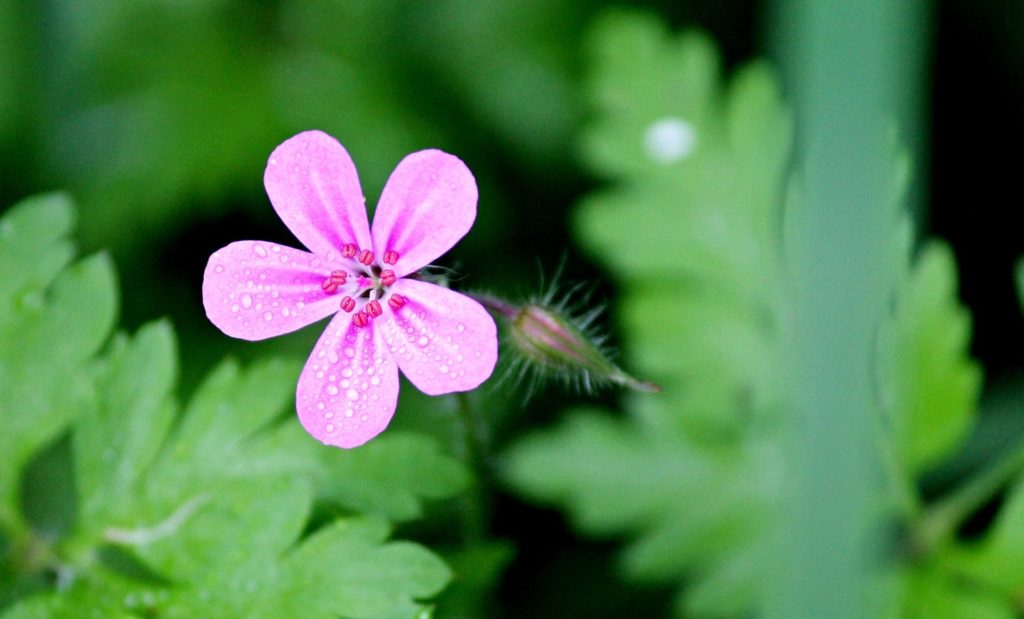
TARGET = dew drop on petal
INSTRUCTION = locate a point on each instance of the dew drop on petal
(331, 389)
(443, 369)
(246, 301)
(329, 427)
(219, 268)
(259, 251)
(423, 341)
(235, 307)
(352, 394)
(268, 316)
(332, 357)
(460, 327)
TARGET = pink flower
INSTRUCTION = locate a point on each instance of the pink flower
(385, 318)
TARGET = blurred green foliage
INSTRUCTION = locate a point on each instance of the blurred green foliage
(692, 479)
(157, 117)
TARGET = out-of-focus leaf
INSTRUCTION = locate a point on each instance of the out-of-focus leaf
(115, 443)
(391, 476)
(54, 318)
(695, 228)
(476, 572)
(929, 383)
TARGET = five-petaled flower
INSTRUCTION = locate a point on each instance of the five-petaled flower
(386, 317)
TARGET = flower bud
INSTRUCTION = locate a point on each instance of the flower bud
(553, 344)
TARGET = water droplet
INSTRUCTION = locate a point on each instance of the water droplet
(235, 307)
(259, 251)
(350, 352)
(332, 357)
(268, 316)
(246, 301)
(331, 389)
(284, 259)
(352, 394)
(363, 418)
(329, 427)
(285, 312)
(669, 139)
(375, 380)
(219, 268)
(423, 341)
(319, 406)
(443, 369)
(328, 414)
(250, 284)
(276, 249)
(347, 372)
(460, 327)
(348, 412)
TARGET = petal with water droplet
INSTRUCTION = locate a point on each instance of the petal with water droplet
(236, 307)
(454, 359)
(356, 417)
(427, 205)
(314, 187)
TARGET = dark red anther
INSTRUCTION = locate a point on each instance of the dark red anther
(328, 285)
(388, 277)
(366, 257)
(374, 309)
(348, 250)
(361, 319)
(338, 277)
(348, 303)
(396, 301)
(390, 256)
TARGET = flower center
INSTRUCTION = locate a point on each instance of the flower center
(364, 283)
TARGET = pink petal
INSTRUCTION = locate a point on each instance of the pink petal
(314, 188)
(428, 204)
(443, 341)
(349, 388)
(254, 290)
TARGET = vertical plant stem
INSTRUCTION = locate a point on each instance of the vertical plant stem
(844, 66)
(474, 507)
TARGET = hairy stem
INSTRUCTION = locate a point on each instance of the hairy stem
(495, 304)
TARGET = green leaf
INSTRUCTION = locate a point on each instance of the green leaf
(346, 569)
(118, 440)
(54, 318)
(928, 382)
(391, 476)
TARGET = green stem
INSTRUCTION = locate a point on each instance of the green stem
(473, 454)
(940, 522)
(495, 304)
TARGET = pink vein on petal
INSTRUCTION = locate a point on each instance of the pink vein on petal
(348, 389)
(254, 290)
(427, 205)
(314, 187)
(443, 341)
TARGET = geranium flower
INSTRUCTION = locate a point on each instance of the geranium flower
(385, 316)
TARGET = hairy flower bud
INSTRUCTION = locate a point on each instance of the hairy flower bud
(555, 343)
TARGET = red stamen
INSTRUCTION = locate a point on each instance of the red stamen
(360, 319)
(348, 250)
(366, 257)
(338, 277)
(388, 277)
(328, 285)
(396, 301)
(374, 309)
(348, 303)
(390, 256)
